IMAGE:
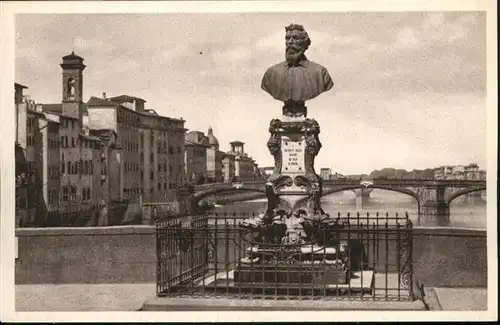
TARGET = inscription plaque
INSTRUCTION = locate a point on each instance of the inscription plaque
(293, 155)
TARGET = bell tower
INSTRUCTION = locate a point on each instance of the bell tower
(72, 86)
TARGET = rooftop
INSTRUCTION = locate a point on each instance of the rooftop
(191, 143)
(125, 98)
(96, 101)
(72, 56)
(53, 108)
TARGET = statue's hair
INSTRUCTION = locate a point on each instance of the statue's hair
(302, 30)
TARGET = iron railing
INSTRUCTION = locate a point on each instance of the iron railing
(367, 257)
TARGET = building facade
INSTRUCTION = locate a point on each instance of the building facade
(229, 168)
(82, 157)
(238, 166)
(151, 162)
(214, 159)
(325, 173)
(196, 149)
(464, 172)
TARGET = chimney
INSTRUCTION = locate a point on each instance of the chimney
(103, 95)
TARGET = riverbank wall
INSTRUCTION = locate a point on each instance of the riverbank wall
(443, 257)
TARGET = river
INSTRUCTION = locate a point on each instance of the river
(462, 215)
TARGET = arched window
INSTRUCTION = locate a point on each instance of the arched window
(70, 89)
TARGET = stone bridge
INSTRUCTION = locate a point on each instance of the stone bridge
(433, 196)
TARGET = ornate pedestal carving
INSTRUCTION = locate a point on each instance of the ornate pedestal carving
(294, 144)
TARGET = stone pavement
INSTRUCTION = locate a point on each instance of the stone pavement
(83, 297)
(130, 297)
(457, 299)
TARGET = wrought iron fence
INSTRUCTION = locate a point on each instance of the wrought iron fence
(365, 257)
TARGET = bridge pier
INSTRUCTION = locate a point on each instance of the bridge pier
(434, 213)
(362, 197)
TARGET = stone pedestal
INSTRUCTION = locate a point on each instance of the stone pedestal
(294, 143)
(291, 275)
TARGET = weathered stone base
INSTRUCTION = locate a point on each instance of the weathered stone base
(290, 274)
(226, 304)
(435, 214)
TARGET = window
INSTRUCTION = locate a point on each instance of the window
(73, 144)
(91, 167)
(170, 150)
(159, 186)
(53, 196)
(53, 128)
(70, 171)
(151, 174)
(65, 193)
(86, 194)
(165, 186)
(73, 193)
(70, 88)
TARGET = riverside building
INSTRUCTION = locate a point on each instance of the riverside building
(93, 163)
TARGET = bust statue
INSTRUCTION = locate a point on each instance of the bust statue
(297, 79)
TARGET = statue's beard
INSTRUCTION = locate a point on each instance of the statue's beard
(293, 53)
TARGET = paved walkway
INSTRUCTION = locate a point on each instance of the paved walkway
(469, 299)
(83, 297)
(130, 297)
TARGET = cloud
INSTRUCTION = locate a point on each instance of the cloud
(91, 44)
(239, 53)
(435, 28)
(407, 37)
(178, 50)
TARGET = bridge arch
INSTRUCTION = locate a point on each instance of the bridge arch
(402, 190)
(331, 190)
(204, 194)
(464, 191)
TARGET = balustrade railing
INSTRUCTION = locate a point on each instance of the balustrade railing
(363, 257)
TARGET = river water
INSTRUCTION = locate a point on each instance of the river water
(462, 215)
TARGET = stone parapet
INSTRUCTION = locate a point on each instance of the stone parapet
(442, 257)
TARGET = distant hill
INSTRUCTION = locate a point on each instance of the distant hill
(391, 173)
(358, 176)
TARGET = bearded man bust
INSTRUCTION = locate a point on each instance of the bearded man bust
(297, 79)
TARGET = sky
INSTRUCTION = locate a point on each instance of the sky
(410, 87)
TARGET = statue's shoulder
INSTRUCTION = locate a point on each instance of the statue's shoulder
(315, 66)
(278, 67)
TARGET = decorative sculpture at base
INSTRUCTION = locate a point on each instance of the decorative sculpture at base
(294, 228)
